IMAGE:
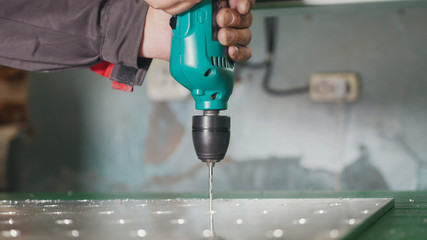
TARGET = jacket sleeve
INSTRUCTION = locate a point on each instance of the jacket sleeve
(53, 35)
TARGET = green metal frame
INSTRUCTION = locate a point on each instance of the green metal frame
(271, 4)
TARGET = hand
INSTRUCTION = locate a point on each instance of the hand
(172, 7)
(234, 22)
(235, 33)
(157, 38)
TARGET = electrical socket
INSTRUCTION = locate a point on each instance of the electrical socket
(333, 87)
(161, 86)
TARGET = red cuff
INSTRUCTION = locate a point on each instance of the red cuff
(105, 69)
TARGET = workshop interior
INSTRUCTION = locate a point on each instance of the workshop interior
(332, 106)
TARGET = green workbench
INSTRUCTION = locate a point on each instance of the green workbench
(407, 220)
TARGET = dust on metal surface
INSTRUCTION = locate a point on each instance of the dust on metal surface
(186, 218)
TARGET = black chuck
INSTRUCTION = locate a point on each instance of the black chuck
(211, 135)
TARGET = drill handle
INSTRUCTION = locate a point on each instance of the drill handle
(198, 61)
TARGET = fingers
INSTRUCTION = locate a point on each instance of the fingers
(162, 4)
(181, 7)
(172, 7)
(228, 17)
(242, 6)
(239, 53)
(235, 33)
(233, 36)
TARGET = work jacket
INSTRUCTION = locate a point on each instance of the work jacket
(54, 35)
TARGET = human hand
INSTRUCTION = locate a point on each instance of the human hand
(157, 38)
(234, 33)
(172, 7)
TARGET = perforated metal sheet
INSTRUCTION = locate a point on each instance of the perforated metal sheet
(187, 218)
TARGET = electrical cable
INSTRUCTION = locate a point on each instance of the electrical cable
(271, 28)
(271, 36)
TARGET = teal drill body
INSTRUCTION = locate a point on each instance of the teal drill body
(201, 64)
(198, 61)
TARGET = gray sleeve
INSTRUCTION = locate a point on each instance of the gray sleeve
(52, 35)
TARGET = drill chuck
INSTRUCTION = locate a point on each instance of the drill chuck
(211, 135)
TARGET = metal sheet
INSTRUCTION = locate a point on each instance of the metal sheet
(188, 218)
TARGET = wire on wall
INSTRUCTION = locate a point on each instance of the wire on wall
(271, 24)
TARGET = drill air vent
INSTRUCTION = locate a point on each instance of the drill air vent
(222, 62)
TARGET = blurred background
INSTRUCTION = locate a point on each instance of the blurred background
(334, 98)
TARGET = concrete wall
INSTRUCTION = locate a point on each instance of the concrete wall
(93, 138)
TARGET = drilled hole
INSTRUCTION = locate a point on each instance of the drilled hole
(213, 96)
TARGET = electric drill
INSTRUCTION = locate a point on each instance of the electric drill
(201, 64)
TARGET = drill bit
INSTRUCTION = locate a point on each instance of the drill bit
(211, 165)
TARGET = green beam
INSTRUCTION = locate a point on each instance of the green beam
(274, 4)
